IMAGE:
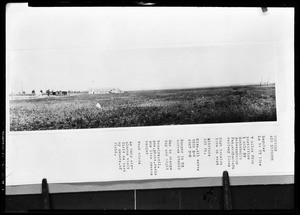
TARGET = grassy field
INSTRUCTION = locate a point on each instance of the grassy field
(145, 108)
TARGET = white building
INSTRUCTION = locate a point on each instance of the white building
(38, 92)
(104, 90)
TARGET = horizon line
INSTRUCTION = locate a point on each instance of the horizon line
(208, 86)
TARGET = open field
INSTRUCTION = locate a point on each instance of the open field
(145, 108)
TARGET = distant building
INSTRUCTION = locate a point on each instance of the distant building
(60, 93)
(104, 90)
(116, 90)
(38, 93)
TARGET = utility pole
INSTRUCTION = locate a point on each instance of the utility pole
(260, 82)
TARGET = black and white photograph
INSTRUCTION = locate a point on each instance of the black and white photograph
(148, 107)
(106, 68)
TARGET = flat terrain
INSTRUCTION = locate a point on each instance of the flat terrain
(145, 108)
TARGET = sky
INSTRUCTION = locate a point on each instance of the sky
(141, 48)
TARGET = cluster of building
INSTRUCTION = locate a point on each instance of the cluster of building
(58, 93)
(41, 93)
(65, 93)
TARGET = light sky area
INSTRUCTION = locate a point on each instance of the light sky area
(140, 48)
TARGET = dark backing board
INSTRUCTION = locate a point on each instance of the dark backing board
(202, 198)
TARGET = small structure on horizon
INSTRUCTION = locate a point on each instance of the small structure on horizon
(60, 93)
(264, 83)
(104, 90)
(37, 92)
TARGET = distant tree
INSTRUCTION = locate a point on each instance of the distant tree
(41, 91)
(23, 92)
(33, 91)
(48, 92)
